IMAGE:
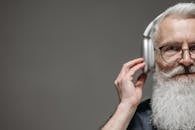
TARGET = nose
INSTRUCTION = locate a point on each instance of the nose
(186, 58)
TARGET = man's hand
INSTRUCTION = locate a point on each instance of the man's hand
(129, 93)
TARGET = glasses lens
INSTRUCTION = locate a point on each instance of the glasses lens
(192, 51)
(171, 53)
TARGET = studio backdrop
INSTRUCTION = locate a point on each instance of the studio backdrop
(59, 59)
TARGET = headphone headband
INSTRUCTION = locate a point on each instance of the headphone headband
(148, 29)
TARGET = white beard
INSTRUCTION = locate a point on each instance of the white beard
(173, 101)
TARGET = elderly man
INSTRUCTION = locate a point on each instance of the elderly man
(172, 106)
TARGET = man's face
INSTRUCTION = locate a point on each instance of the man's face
(173, 98)
(176, 31)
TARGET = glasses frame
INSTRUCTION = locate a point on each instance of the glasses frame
(178, 59)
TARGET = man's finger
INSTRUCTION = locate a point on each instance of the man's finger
(136, 68)
(141, 80)
(132, 63)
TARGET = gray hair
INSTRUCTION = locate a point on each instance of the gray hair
(182, 10)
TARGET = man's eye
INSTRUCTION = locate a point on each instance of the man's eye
(192, 48)
(170, 48)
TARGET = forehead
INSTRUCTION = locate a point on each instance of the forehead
(177, 30)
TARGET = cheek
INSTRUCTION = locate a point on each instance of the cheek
(163, 66)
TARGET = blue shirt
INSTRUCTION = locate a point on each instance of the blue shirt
(142, 118)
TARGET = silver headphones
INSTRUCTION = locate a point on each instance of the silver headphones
(148, 47)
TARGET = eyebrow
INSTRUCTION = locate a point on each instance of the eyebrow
(171, 43)
(192, 43)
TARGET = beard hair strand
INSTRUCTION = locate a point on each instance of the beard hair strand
(173, 101)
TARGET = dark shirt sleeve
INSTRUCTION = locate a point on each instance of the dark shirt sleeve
(142, 118)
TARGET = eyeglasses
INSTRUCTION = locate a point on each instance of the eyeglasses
(174, 53)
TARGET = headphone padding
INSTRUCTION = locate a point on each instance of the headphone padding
(148, 54)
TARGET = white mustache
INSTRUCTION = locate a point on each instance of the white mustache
(178, 70)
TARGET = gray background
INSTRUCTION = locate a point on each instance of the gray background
(59, 59)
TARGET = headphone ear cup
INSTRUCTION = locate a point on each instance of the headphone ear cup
(148, 54)
(151, 55)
